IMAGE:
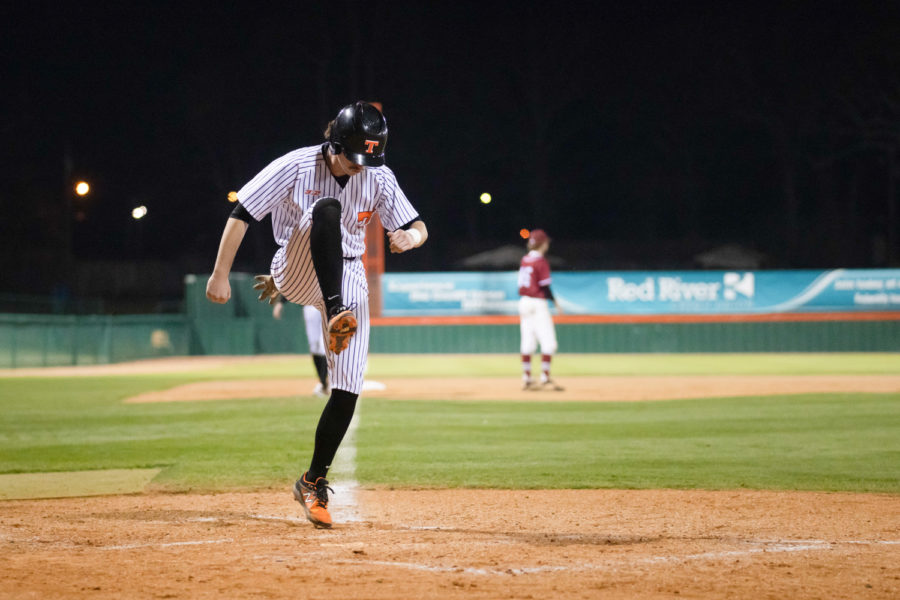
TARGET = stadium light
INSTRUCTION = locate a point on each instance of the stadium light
(139, 212)
(82, 188)
(485, 198)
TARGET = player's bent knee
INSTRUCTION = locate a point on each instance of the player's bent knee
(343, 402)
(327, 208)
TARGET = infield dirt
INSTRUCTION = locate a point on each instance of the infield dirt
(582, 389)
(457, 543)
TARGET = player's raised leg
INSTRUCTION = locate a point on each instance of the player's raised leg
(328, 261)
(313, 321)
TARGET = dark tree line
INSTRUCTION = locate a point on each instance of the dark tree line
(774, 126)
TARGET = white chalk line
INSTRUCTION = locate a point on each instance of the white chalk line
(763, 547)
(258, 517)
(771, 547)
(343, 503)
(862, 542)
(279, 518)
(165, 544)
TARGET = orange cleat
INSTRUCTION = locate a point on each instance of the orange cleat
(314, 498)
(341, 328)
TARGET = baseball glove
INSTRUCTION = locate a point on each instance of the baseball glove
(266, 287)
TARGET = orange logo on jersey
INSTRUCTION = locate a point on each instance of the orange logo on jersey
(370, 146)
(313, 192)
(364, 216)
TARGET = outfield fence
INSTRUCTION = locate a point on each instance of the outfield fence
(245, 326)
(58, 340)
(50, 340)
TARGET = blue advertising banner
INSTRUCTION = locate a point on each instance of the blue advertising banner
(649, 292)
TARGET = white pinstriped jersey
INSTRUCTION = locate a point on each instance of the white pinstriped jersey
(290, 185)
(287, 189)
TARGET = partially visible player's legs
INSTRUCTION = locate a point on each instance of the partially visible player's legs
(321, 365)
(313, 320)
(546, 335)
(328, 261)
(333, 424)
(311, 489)
(347, 370)
(527, 381)
(545, 368)
(296, 277)
(528, 341)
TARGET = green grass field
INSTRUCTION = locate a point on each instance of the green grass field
(812, 442)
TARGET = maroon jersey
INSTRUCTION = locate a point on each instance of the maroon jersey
(534, 273)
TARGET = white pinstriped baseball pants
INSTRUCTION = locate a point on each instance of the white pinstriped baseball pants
(313, 319)
(295, 277)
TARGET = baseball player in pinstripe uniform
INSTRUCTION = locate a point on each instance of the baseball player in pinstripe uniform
(321, 198)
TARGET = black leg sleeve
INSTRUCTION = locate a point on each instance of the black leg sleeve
(333, 425)
(321, 368)
(325, 248)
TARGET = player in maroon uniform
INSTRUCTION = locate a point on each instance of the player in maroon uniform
(534, 311)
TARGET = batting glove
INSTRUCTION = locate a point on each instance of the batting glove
(266, 287)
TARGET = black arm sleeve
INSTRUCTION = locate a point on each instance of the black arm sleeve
(546, 290)
(241, 213)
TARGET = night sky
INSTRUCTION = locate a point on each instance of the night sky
(636, 133)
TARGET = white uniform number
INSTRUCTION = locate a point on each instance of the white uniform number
(525, 276)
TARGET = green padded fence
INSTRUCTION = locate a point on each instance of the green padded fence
(245, 326)
(61, 340)
(776, 336)
(50, 340)
(819, 336)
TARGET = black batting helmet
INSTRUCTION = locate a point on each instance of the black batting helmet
(360, 132)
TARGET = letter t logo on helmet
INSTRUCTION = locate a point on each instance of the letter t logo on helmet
(370, 145)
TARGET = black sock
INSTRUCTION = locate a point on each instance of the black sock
(321, 368)
(333, 425)
(325, 248)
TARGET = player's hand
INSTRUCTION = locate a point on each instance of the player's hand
(277, 310)
(265, 285)
(401, 241)
(218, 289)
(559, 309)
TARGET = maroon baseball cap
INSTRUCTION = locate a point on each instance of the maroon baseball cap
(538, 237)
